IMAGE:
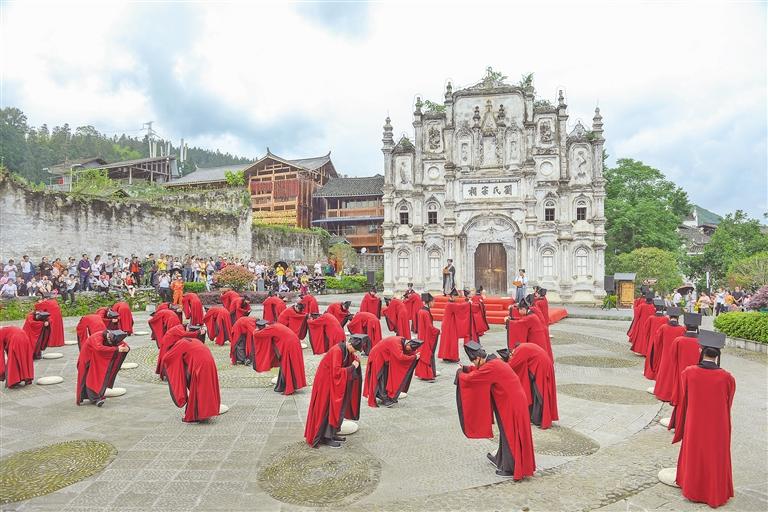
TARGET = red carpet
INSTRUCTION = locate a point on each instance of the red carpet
(496, 309)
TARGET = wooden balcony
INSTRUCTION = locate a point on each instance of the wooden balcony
(371, 240)
(377, 211)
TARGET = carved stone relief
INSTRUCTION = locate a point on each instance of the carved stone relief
(545, 131)
(404, 174)
(434, 138)
(581, 164)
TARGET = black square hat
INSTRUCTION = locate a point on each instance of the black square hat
(194, 327)
(504, 354)
(659, 303)
(118, 335)
(414, 343)
(42, 315)
(711, 339)
(542, 292)
(473, 350)
(426, 297)
(261, 323)
(692, 319)
(113, 314)
(674, 311)
(358, 340)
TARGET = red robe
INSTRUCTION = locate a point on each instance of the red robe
(217, 324)
(664, 335)
(238, 308)
(479, 321)
(38, 334)
(341, 314)
(160, 322)
(366, 323)
(55, 321)
(528, 329)
(190, 370)
(126, 317)
(668, 371)
(494, 390)
(388, 371)
(167, 340)
(544, 322)
(536, 372)
(704, 471)
(97, 368)
(285, 348)
(644, 311)
(335, 394)
(635, 312)
(685, 353)
(193, 308)
(242, 332)
(371, 304)
(273, 306)
(413, 305)
(543, 304)
(324, 332)
(102, 312)
(15, 344)
(228, 298)
(310, 304)
(426, 368)
(397, 318)
(88, 324)
(457, 323)
(295, 321)
(644, 336)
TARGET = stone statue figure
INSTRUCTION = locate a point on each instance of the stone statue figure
(581, 164)
(434, 138)
(513, 141)
(545, 132)
(403, 173)
(464, 152)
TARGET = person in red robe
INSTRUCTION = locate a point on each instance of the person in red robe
(426, 368)
(295, 319)
(273, 306)
(397, 317)
(648, 330)
(173, 335)
(366, 323)
(663, 336)
(310, 304)
(16, 361)
(371, 303)
(457, 323)
(534, 307)
(686, 351)
(217, 324)
(638, 322)
(489, 390)
(97, 365)
(126, 316)
(536, 372)
(389, 370)
(104, 311)
(38, 330)
(413, 304)
(55, 320)
(88, 324)
(639, 301)
(341, 311)
(479, 319)
(704, 471)
(190, 369)
(160, 322)
(283, 348)
(335, 393)
(228, 298)
(193, 308)
(527, 329)
(324, 332)
(239, 308)
(242, 337)
(542, 302)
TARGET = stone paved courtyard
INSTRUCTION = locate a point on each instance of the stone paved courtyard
(603, 454)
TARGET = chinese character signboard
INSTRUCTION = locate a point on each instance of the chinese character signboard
(490, 190)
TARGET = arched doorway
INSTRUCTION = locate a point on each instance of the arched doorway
(491, 268)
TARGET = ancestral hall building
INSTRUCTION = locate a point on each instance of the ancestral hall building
(495, 181)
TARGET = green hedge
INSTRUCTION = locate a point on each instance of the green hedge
(347, 283)
(194, 287)
(609, 302)
(18, 309)
(749, 326)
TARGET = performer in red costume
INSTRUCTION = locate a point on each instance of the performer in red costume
(366, 323)
(310, 304)
(638, 322)
(173, 335)
(457, 323)
(88, 324)
(273, 306)
(38, 330)
(681, 352)
(639, 301)
(193, 308)
(371, 303)
(542, 303)
(217, 324)
(397, 317)
(489, 390)
(413, 304)
(295, 319)
(242, 337)
(479, 320)
(704, 471)
(664, 336)
(528, 328)
(97, 365)
(533, 307)
(389, 370)
(335, 393)
(648, 330)
(239, 308)
(190, 370)
(126, 316)
(282, 350)
(536, 372)
(160, 322)
(426, 368)
(341, 311)
(228, 298)
(324, 332)
(55, 320)
(16, 362)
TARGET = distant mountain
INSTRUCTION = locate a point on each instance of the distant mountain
(27, 150)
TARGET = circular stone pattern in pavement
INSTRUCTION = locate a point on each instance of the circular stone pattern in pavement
(597, 361)
(239, 376)
(562, 441)
(607, 394)
(319, 477)
(31, 473)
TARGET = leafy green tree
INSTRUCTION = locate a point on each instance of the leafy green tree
(642, 209)
(235, 178)
(750, 273)
(652, 263)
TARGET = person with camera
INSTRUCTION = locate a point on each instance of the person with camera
(100, 359)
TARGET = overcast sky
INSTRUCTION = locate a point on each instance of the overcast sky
(681, 86)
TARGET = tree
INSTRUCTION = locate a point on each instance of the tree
(343, 253)
(235, 178)
(750, 272)
(652, 263)
(642, 209)
(736, 237)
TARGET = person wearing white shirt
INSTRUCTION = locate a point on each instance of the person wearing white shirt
(11, 270)
(9, 291)
(26, 268)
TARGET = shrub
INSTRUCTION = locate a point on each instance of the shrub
(760, 299)
(749, 326)
(236, 277)
(347, 283)
(85, 303)
(750, 272)
(609, 302)
(194, 287)
(214, 298)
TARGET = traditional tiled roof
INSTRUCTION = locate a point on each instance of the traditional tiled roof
(705, 216)
(209, 174)
(355, 186)
(63, 167)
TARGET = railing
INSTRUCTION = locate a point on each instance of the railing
(356, 212)
(372, 240)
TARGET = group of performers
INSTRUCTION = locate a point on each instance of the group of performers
(684, 362)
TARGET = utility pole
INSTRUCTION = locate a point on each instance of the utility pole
(150, 138)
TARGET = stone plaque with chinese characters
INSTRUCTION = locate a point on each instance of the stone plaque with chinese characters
(489, 190)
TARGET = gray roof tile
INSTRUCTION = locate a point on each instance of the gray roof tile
(354, 186)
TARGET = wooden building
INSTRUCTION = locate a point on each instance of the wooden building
(157, 170)
(352, 208)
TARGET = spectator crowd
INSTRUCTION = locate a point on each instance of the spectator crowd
(710, 303)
